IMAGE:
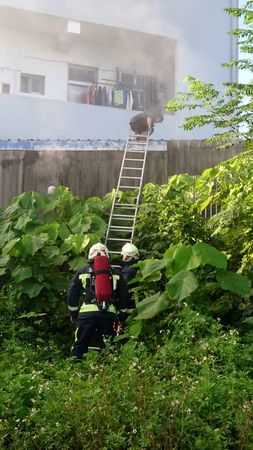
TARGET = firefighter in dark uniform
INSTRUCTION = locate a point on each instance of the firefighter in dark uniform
(88, 318)
(130, 255)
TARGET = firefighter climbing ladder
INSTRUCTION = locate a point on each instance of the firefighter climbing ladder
(123, 216)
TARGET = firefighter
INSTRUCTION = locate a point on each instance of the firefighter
(130, 255)
(89, 319)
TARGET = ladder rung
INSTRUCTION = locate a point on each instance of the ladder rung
(136, 151)
(131, 178)
(123, 216)
(118, 239)
(129, 187)
(143, 136)
(134, 159)
(120, 228)
(132, 168)
(135, 144)
(139, 143)
(126, 205)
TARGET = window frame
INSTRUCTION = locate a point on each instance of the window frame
(84, 82)
(29, 79)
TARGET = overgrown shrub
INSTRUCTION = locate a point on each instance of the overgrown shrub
(189, 388)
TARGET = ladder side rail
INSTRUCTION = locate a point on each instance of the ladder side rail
(140, 187)
(116, 192)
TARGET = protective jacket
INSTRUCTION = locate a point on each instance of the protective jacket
(129, 272)
(81, 300)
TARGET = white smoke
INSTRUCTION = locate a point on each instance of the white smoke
(141, 15)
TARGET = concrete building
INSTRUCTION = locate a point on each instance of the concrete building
(75, 69)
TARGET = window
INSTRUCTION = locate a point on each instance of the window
(5, 88)
(79, 80)
(83, 74)
(144, 90)
(32, 84)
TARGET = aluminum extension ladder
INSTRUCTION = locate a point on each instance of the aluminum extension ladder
(123, 216)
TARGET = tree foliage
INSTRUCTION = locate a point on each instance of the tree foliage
(230, 111)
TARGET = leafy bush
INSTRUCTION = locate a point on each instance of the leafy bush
(173, 214)
(181, 375)
(187, 388)
(43, 240)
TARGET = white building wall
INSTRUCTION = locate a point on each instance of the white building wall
(199, 28)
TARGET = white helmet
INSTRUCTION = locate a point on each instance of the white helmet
(129, 251)
(98, 249)
(50, 190)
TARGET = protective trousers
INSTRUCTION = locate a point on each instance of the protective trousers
(87, 328)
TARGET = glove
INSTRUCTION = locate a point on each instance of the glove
(73, 318)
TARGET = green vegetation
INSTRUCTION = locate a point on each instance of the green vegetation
(180, 377)
(43, 239)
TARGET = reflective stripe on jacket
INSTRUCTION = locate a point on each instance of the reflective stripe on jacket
(80, 285)
(87, 276)
(92, 307)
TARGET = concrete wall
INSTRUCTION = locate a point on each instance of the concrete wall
(37, 44)
(96, 172)
(32, 118)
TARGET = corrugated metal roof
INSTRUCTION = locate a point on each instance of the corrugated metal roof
(70, 144)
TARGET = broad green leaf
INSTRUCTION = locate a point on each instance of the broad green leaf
(136, 328)
(181, 285)
(23, 221)
(151, 306)
(95, 204)
(210, 255)
(50, 229)
(184, 259)
(248, 320)
(80, 223)
(211, 286)
(67, 245)
(210, 173)
(32, 244)
(98, 225)
(64, 232)
(2, 270)
(21, 273)
(6, 238)
(233, 282)
(76, 263)
(4, 260)
(171, 250)
(59, 260)
(31, 288)
(8, 247)
(26, 200)
(60, 284)
(205, 203)
(76, 243)
(151, 268)
(51, 252)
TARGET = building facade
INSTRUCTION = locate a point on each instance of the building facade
(80, 69)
